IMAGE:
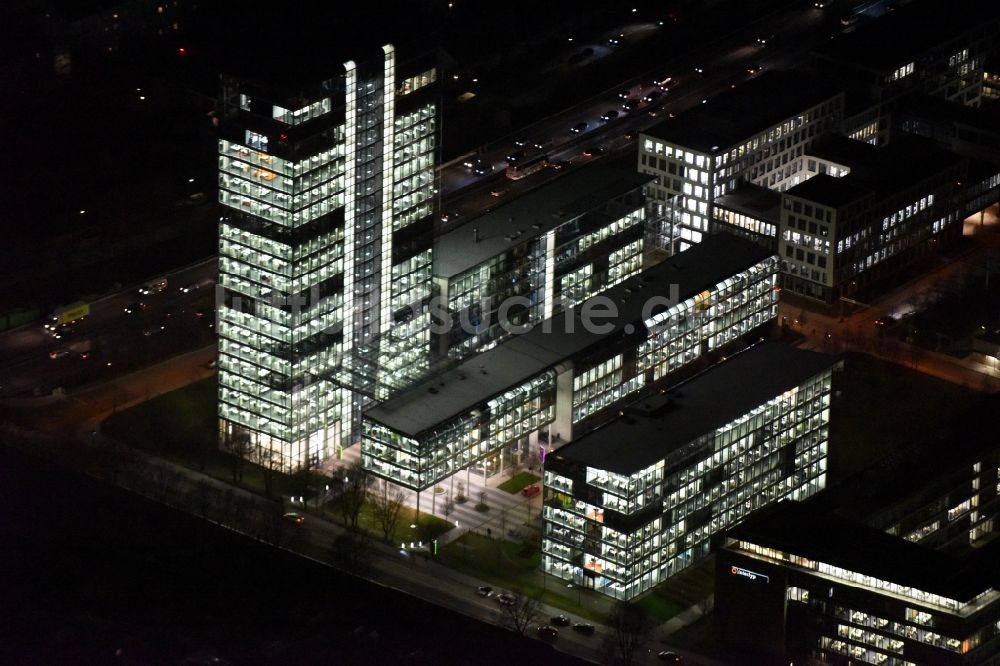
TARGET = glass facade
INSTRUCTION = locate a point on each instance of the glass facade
(623, 534)
(550, 271)
(310, 278)
(418, 463)
(880, 620)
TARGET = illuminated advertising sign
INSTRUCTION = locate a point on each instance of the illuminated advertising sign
(752, 575)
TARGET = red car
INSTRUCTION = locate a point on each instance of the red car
(532, 490)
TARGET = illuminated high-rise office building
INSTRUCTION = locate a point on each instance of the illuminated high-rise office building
(325, 244)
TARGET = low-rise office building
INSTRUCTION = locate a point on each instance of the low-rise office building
(750, 211)
(755, 133)
(921, 47)
(642, 497)
(550, 248)
(841, 236)
(563, 377)
(891, 565)
(796, 584)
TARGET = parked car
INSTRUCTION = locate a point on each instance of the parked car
(532, 490)
(584, 628)
(559, 621)
(294, 517)
(484, 591)
(548, 633)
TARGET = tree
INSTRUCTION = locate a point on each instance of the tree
(269, 462)
(353, 553)
(387, 504)
(355, 494)
(521, 613)
(239, 446)
(630, 626)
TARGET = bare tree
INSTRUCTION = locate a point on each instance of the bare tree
(352, 500)
(630, 627)
(269, 462)
(239, 446)
(387, 504)
(521, 612)
(353, 553)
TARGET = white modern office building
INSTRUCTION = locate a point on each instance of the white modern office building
(562, 378)
(328, 193)
(755, 133)
(642, 497)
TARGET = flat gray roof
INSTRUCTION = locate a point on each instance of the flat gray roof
(883, 171)
(826, 190)
(798, 528)
(738, 114)
(654, 427)
(758, 202)
(456, 391)
(560, 200)
(901, 36)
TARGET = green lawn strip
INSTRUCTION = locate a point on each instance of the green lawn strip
(501, 564)
(428, 527)
(182, 426)
(660, 607)
(518, 482)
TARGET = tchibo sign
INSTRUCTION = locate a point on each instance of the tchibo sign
(746, 573)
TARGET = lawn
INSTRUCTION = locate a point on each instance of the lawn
(518, 482)
(514, 566)
(183, 422)
(882, 407)
(659, 607)
(428, 527)
(182, 426)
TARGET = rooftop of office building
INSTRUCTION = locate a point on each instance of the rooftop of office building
(758, 202)
(882, 171)
(924, 469)
(798, 529)
(738, 114)
(534, 213)
(938, 110)
(454, 392)
(901, 36)
(826, 190)
(652, 428)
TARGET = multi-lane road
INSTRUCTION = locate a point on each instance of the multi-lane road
(724, 61)
(111, 341)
